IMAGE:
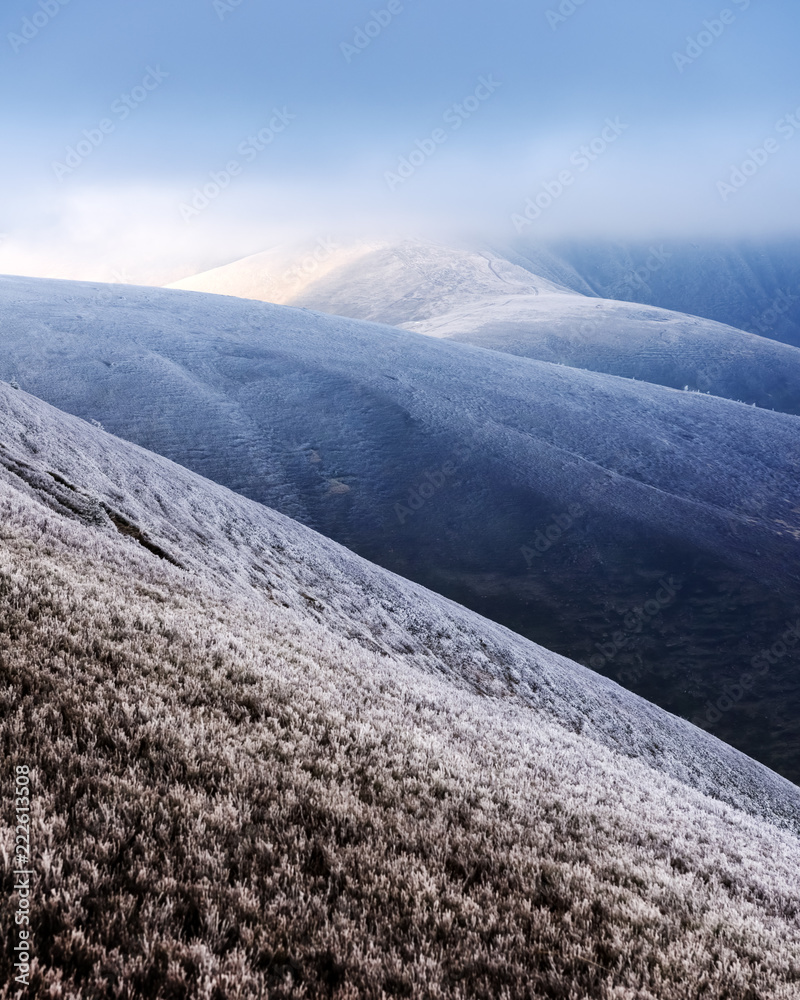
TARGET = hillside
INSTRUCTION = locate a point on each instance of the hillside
(489, 299)
(751, 284)
(648, 533)
(260, 764)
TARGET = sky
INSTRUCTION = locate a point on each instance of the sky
(145, 141)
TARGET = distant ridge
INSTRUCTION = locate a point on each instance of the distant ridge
(482, 297)
(462, 469)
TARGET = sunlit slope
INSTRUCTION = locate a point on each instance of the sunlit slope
(480, 297)
(380, 280)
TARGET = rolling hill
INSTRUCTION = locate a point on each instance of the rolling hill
(260, 765)
(751, 284)
(483, 298)
(649, 533)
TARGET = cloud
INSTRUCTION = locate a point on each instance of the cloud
(436, 125)
(647, 181)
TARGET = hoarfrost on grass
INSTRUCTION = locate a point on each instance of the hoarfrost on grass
(242, 791)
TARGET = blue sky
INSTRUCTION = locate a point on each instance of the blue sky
(382, 124)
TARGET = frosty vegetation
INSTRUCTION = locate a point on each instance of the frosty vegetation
(262, 767)
(335, 422)
(502, 301)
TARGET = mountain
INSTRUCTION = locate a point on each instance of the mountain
(259, 765)
(750, 284)
(649, 533)
(482, 298)
(384, 282)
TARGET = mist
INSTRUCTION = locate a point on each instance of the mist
(150, 143)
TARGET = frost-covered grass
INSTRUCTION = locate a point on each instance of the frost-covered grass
(336, 423)
(266, 768)
(480, 297)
